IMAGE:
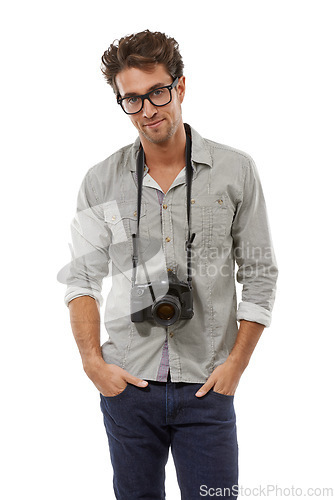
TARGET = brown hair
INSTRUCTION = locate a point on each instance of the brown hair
(141, 50)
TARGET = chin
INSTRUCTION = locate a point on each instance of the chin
(155, 137)
(159, 136)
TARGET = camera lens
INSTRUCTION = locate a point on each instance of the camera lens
(166, 310)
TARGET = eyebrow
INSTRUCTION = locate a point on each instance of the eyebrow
(155, 86)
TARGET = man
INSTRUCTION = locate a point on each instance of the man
(166, 383)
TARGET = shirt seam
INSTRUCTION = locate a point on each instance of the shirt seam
(215, 145)
(92, 187)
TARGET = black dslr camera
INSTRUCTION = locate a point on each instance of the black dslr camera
(167, 308)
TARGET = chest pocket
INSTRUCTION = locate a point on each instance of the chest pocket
(121, 219)
(209, 219)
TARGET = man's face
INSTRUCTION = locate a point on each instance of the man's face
(156, 124)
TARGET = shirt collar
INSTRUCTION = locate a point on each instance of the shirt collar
(200, 152)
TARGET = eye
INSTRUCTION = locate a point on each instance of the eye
(157, 92)
(132, 100)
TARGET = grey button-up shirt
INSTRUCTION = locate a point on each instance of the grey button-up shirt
(228, 215)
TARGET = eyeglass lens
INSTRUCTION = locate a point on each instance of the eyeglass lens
(159, 97)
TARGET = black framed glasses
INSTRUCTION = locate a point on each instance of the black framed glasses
(158, 97)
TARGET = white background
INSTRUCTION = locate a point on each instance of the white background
(259, 78)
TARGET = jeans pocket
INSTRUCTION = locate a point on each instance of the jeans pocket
(221, 394)
(111, 398)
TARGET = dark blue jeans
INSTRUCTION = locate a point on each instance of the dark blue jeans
(141, 425)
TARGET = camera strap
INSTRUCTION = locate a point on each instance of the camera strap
(189, 174)
(189, 177)
(140, 173)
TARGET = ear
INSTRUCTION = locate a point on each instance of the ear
(181, 88)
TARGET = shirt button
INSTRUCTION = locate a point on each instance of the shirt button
(220, 202)
(168, 239)
(135, 213)
(192, 200)
(171, 334)
(164, 206)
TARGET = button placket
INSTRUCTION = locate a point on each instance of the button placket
(167, 230)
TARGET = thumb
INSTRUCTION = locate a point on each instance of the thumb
(136, 381)
(205, 388)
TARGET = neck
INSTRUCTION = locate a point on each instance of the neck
(169, 154)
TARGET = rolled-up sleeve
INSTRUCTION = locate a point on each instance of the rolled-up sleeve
(253, 251)
(90, 245)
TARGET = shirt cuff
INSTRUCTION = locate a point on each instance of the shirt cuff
(253, 312)
(79, 292)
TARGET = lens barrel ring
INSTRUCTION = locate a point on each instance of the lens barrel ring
(166, 310)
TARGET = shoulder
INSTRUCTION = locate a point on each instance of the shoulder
(223, 150)
(103, 180)
(236, 162)
(232, 167)
(217, 154)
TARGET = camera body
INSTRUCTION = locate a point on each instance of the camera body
(167, 308)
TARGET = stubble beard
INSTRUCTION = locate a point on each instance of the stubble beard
(163, 138)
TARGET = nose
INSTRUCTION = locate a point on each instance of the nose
(149, 109)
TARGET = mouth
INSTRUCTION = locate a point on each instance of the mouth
(154, 124)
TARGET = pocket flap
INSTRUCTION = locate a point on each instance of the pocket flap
(114, 212)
